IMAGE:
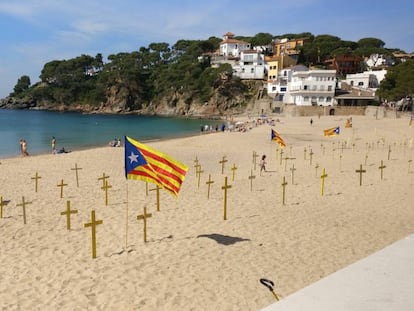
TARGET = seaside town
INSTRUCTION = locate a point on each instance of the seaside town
(282, 178)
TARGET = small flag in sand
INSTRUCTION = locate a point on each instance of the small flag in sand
(333, 131)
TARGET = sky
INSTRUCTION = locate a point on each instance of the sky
(35, 32)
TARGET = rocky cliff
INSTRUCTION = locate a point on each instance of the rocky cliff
(230, 97)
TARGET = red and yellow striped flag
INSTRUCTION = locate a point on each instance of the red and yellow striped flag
(147, 164)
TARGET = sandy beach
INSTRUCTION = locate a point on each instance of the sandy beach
(194, 259)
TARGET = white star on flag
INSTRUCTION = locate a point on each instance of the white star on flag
(133, 157)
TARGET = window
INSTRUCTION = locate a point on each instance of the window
(321, 99)
(360, 83)
(251, 70)
(305, 87)
(328, 99)
(329, 87)
(306, 99)
(283, 89)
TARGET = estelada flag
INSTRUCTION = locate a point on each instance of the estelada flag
(276, 137)
(331, 132)
(145, 163)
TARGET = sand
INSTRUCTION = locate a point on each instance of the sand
(194, 259)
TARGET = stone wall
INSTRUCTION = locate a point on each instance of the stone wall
(305, 111)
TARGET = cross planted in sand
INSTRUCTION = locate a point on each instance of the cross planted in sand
(293, 169)
(36, 178)
(360, 171)
(222, 162)
(310, 157)
(157, 191)
(225, 187)
(68, 212)
(197, 167)
(255, 156)
(93, 225)
(144, 217)
(233, 169)
(61, 185)
(2, 204)
(323, 176)
(23, 205)
(198, 173)
(76, 169)
(251, 177)
(209, 182)
(103, 178)
(105, 188)
(381, 167)
(284, 183)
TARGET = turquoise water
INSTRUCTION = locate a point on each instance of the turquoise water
(75, 131)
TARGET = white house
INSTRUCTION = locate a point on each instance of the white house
(231, 47)
(366, 79)
(378, 60)
(311, 88)
(251, 65)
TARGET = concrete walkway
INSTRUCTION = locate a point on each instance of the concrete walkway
(383, 281)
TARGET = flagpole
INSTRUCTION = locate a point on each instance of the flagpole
(126, 222)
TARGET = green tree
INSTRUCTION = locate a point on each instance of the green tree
(22, 85)
(398, 82)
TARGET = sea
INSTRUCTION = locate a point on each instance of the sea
(77, 131)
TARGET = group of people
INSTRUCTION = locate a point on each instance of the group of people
(115, 143)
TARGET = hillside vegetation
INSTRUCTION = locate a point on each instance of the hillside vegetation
(178, 79)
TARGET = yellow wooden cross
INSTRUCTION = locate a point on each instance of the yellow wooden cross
(103, 178)
(36, 178)
(61, 185)
(222, 164)
(144, 217)
(157, 190)
(323, 176)
(233, 169)
(93, 225)
(286, 159)
(67, 213)
(196, 161)
(197, 167)
(105, 188)
(360, 171)
(316, 169)
(281, 154)
(2, 204)
(23, 205)
(251, 177)
(198, 173)
(76, 169)
(225, 187)
(284, 183)
(255, 156)
(381, 167)
(293, 169)
(209, 182)
(310, 157)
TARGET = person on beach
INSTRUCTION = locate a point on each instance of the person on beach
(263, 164)
(24, 148)
(53, 142)
(21, 146)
